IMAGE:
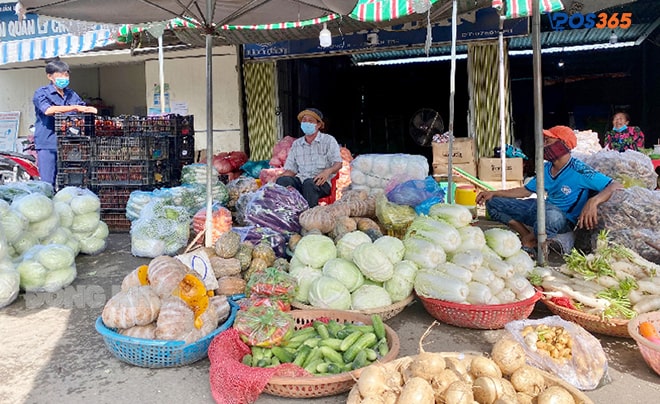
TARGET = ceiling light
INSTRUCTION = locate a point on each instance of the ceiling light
(560, 63)
(325, 37)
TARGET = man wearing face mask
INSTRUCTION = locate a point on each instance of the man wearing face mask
(49, 100)
(313, 160)
(574, 190)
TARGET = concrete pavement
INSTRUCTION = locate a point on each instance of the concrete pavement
(50, 351)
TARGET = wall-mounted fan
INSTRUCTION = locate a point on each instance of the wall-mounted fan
(424, 124)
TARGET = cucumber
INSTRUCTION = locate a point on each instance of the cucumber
(311, 367)
(377, 324)
(313, 356)
(268, 353)
(350, 340)
(333, 343)
(343, 333)
(322, 367)
(321, 329)
(282, 354)
(262, 363)
(312, 342)
(302, 355)
(371, 354)
(360, 360)
(303, 334)
(257, 353)
(247, 360)
(365, 341)
(331, 355)
(333, 327)
(364, 328)
(383, 348)
(335, 368)
(274, 361)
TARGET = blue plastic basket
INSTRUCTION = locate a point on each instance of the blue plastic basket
(151, 353)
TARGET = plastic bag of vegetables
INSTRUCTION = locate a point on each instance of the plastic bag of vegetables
(276, 207)
(263, 326)
(47, 268)
(9, 282)
(162, 230)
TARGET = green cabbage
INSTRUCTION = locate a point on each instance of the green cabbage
(305, 277)
(349, 241)
(345, 272)
(328, 293)
(86, 223)
(85, 202)
(33, 275)
(44, 227)
(504, 242)
(55, 256)
(315, 250)
(372, 263)
(24, 243)
(102, 231)
(59, 236)
(66, 194)
(60, 278)
(370, 297)
(405, 269)
(398, 287)
(35, 207)
(391, 247)
(9, 282)
(65, 213)
(14, 224)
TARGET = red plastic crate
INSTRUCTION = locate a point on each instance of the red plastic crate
(73, 149)
(113, 197)
(116, 221)
(122, 173)
(123, 148)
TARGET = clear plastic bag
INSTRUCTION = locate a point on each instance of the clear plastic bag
(587, 367)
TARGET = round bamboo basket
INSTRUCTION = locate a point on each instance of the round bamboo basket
(322, 386)
(590, 322)
(385, 312)
(550, 380)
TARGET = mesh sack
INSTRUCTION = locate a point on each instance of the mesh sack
(630, 168)
(231, 381)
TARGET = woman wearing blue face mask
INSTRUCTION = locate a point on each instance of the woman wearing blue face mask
(313, 160)
(623, 137)
(48, 101)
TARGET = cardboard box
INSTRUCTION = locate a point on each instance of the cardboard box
(441, 169)
(507, 184)
(490, 169)
(462, 151)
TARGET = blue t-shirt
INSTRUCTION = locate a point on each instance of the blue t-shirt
(44, 128)
(570, 189)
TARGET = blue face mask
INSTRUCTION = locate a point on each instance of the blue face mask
(62, 82)
(621, 129)
(308, 128)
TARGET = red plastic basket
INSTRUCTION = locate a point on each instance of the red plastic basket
(483, 317)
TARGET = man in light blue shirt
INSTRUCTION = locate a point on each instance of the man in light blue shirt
(313, 160)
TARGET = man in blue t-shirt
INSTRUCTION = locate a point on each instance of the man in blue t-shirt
(573, 192)
(48, 101)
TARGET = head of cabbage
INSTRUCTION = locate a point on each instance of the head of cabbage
(329, 293)
(345, 272)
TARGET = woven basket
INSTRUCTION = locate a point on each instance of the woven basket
(321, 386)
(385, 312)
(483, 317)
(550, 380)
(153, 353)
(650, 351)
(590, 322)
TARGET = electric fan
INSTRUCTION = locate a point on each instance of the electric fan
(424, 124)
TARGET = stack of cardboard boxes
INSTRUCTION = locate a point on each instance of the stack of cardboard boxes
(488, 170)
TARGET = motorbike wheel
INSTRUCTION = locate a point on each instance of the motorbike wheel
(12, 172)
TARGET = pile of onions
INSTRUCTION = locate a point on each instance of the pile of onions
(456, 378)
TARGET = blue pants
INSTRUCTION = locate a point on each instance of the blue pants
(310, 191)
(47, 163)
(524, 211)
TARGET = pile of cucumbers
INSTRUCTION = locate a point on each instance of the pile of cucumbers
(326, 348)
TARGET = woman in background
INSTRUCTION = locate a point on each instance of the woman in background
(623, 137)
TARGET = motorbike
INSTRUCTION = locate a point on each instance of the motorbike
(19, 167)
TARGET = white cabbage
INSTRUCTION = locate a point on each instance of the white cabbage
(315, 250)
(423, 253)
(398, 287)
(370, 297)
(9, 282)
(14, 224)
(345, 272)
(35, 207)
(504, 242)
(391, 247)
(349, 241)
(328, 293)
(456, 215)
(372, 263)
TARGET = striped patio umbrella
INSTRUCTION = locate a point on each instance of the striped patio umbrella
(125, 32)
(385, 10)
(523, 8)
(284, 25)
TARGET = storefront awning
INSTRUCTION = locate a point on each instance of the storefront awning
(25, 50)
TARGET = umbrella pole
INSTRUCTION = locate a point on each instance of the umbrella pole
(452, 91)
(538, 131)
(502, 102)
(161, 73)
(208, 238)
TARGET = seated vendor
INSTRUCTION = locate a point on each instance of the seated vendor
(313, 160)
(574, 191)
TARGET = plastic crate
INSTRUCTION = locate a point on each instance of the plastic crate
(126, 148)
(116, 221)
(176, 167)
(74, 125)
(182, 125)
(182, 147)
(108, 126)
(73, 149)
(122, 173)
(113, 197)
(73, 174)
(147, 126)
